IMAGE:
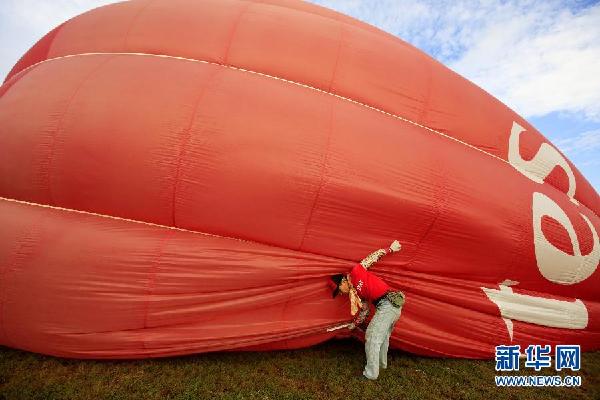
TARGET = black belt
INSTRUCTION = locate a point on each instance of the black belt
(376, 302)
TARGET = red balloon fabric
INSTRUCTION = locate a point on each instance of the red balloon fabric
(183, 176)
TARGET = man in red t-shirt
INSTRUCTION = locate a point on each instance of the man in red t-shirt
(362, 286)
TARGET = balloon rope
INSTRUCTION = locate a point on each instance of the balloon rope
(160, 226)
(276, 78)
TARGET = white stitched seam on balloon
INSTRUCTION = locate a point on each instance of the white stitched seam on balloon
(157, 225)
(291, 82)
(280, 79)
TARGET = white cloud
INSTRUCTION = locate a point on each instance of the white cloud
(537, 57)
(586, 142)
(539, 60)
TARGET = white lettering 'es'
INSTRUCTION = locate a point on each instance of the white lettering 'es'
(554, 264)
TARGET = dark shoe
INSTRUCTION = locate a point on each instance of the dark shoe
(360, 375)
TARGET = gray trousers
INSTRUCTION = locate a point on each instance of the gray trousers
(378, 337)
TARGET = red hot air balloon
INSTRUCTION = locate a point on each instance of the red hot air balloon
(183, 176)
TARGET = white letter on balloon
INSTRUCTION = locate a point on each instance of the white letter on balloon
(553, 263)
(537, 310)
(544, 161)
(556, 265)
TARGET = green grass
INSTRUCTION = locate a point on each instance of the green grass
(326, 371)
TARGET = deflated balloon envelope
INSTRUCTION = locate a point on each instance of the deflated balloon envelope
(183, 176)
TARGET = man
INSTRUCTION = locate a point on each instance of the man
(361, 284)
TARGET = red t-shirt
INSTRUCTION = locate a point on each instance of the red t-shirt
(368, 285)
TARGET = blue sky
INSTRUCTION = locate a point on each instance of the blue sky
(541, 58)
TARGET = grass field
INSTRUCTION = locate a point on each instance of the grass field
(327, 371)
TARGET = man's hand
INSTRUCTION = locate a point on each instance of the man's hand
(361, 327)
(395, 246)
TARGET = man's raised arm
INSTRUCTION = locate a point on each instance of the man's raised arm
(377, 254)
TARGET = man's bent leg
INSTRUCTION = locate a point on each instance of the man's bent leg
(386, 343)
(373, 340)
(377, 331)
